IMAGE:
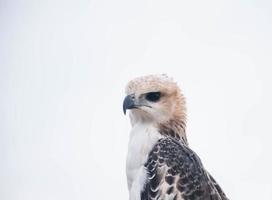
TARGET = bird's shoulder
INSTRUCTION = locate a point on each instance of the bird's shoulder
(174, 171)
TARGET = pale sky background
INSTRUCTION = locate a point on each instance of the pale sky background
(63, 69)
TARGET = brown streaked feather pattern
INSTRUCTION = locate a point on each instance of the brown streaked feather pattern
(175, 172)
(174, 128)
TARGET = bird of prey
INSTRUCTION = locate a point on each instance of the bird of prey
(160, 164)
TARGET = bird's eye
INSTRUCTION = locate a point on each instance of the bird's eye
(153, 96)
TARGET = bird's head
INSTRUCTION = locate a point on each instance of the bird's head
(154, 98)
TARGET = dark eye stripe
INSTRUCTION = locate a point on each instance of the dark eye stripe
(153, 96)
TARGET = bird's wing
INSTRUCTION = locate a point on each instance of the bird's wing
(175, 172)
(218, 188)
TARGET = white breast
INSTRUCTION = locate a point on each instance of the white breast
(142, 139)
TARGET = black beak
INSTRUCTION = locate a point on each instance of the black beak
(128, 103)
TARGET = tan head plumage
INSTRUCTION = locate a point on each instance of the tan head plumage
(144, 84)
(169, 111)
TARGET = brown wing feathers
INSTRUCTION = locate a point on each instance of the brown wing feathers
(176, 172)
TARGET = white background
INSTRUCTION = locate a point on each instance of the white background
(63, 69)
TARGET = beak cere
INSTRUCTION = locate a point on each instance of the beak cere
(128, 103)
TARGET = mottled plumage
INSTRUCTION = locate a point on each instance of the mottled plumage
(160, 164)
(176, 172)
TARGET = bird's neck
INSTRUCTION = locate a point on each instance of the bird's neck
(175, 128)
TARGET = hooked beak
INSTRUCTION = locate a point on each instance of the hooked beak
(128, 103)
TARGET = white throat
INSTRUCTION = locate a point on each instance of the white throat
(143, 137)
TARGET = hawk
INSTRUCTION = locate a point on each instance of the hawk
(160, 165)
